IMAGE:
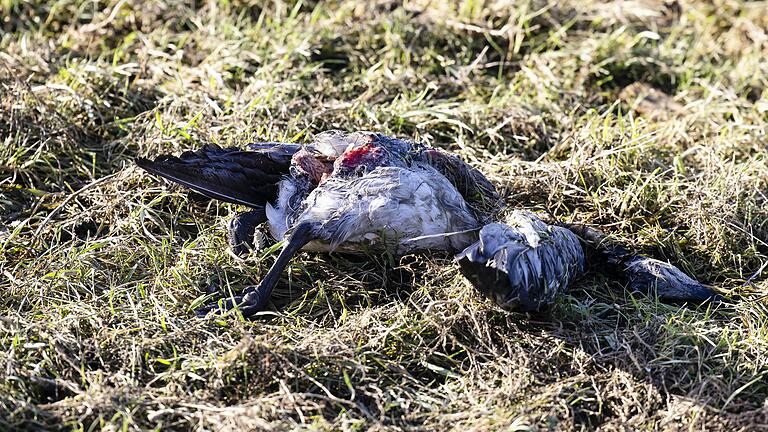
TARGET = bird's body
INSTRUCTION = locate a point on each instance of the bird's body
(363, 192)
(400, 210)
(379, 194)
(352, 193)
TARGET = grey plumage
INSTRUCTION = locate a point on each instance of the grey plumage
(526, 263)
(396, 195)
(365, 191)
(523, 264)
(397, 209)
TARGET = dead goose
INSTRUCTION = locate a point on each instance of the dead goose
(364, 191)
(344, 192)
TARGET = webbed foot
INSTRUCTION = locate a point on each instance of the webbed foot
(255, 298)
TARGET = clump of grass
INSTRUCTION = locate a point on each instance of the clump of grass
(101, 264)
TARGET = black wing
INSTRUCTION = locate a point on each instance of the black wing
(228, 174)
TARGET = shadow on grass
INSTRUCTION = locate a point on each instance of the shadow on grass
(27, 416)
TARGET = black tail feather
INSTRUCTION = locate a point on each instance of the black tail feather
(228, 174)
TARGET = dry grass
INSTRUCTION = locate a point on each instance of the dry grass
(100, 263)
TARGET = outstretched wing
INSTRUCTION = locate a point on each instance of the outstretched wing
(478, 192)
(228, 174)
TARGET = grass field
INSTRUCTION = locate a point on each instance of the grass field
(101, 264)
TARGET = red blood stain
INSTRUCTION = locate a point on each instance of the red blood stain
(356, 155)
(365, 154)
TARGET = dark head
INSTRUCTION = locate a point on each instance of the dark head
(652, 276)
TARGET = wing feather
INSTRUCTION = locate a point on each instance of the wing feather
(227, 174)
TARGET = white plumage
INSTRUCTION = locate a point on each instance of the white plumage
(401, 210)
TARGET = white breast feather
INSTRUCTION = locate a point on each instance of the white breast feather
(277, 216)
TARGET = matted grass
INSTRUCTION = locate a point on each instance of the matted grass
(101, 263)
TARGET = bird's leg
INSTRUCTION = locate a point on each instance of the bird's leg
(241, 230)
(645, 274)
(255, 297)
